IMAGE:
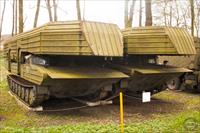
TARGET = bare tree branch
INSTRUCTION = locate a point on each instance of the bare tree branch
(16, 10)
(2, 17)
(78, 9)
(192, 16)
(131, 14)
(55, 10)
(49, 10)
(13, 17)
(36, 14)
(21, 23)
(140, 14)
(148, 13)
(126, 14)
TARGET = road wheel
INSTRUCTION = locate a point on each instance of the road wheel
(26, 95)
(32, 97)
(22, 93)
(174, 84)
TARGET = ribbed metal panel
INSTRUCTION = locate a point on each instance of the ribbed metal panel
(104, 39)
(159, 40)
(181, 39)
(70, 38)
(191, 62)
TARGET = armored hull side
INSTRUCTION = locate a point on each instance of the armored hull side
(190, 62)
(148, 77)
(64, 59)
(143, 45)
(189, 80)
(71, 81)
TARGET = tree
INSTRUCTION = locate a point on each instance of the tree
(16, 10)
(164, 11)
(197, 21)
(13, 17)
(148, 21)
(185, 16)
(192, 16)
(2, 16)
(55, 10)
(36, 13)
(78, 9)
(177, 14)
(128, 16)
(49, 10)
(21, 23)
(130, 21)
(140, 14)
(170, 15)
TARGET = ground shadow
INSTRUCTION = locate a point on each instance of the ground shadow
(131, 107)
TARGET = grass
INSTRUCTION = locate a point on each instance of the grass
(171, 125)
(167, 115)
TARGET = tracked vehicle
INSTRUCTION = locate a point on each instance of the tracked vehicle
(189, 80)
(143, 45)
(63, 59)
(91, 60)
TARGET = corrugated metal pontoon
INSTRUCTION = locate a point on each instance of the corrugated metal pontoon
(159, 40)
(70, 38)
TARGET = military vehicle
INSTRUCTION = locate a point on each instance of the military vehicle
(88, 59)
(63, 59)
(189, 80)
(143, 45)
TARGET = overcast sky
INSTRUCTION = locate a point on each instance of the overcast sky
(111, 11)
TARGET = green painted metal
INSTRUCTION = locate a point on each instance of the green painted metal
(71, 38)
(79, 72)
(158, 40)
(191, 62)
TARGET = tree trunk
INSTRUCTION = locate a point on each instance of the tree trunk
(130, 21)
(13, 17)
(177, 12)
(55, 10)
(16, 15)
(49, 10)
(197, 24)
(21, 24)
(78, 9)
(165, 14)
(192, 16)
(170, 15)
(37, 13)
(2, 16)
(140, 14)
(126, 14)
(148, 13)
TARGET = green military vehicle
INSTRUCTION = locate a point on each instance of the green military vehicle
(63, 59)
(143, 45)
(189, 80)
(84, 59)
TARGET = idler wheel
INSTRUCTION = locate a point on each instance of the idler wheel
(174, 84)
